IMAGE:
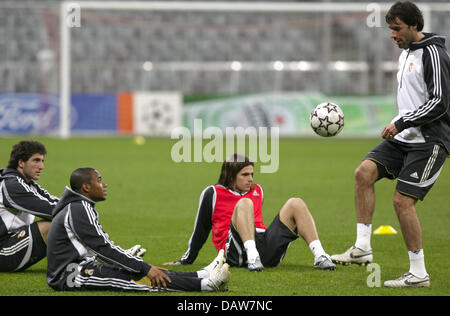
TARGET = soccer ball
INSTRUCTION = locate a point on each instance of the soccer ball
(327, 119)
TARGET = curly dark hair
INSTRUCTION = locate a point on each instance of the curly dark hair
(24, 150)
(406, 11)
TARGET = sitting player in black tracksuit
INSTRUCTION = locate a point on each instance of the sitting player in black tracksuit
(22, 239)
(82, 257)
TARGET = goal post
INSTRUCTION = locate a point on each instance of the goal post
(70, 12)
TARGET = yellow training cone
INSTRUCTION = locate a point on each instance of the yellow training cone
(138, 140)
(385, 230)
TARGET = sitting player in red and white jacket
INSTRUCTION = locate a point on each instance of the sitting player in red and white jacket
(232, 209)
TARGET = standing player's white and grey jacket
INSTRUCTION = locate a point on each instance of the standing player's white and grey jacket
(423, 93)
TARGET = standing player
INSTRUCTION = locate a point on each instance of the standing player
(416, 143)
(236, 200)
(23, 241)
(81, 256)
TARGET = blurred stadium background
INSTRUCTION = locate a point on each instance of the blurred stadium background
(142, 71)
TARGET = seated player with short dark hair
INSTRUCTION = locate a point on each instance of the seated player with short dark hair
(82, 257)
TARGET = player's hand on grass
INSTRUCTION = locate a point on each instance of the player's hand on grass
(158, 277)
(173, 263)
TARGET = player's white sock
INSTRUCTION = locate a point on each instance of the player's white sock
(250, 249)
(363, 233)
(203, 274)
(417, 263)
(205, 285)
(316, 249)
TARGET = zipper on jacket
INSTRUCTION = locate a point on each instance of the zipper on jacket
(403, 70)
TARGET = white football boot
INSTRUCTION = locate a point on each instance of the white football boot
(324, 263)
(217, 262)
(353, 255)
(256, 265)
(409, 280)
(220, 276)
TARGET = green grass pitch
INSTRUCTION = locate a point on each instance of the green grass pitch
(153, 201)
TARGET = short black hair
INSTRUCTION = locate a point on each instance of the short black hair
(79, 177)
(406, 11)
(231, 167)
(24, 150)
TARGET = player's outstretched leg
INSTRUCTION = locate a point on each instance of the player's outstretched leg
(361, 252)
(212, 278)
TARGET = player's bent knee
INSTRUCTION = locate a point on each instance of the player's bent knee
(366, 172)
(244, 204)
(243, 208)
(292, 207)
(296, 203)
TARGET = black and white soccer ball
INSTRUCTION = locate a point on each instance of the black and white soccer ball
(327, 119)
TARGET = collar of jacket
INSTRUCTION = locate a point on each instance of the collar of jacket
(70, 196)
(428, 39)
(12, 173)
